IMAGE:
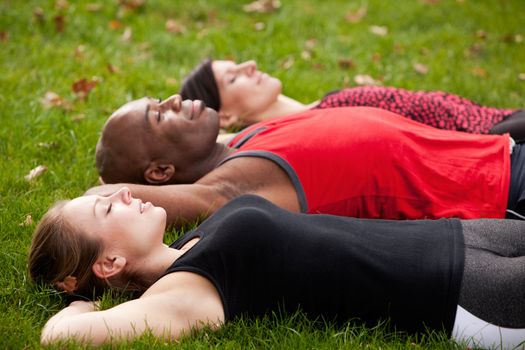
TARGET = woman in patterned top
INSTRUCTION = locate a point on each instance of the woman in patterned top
(244, 95)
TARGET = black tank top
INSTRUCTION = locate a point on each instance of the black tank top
(262, 258)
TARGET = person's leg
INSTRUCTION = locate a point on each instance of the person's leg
(492, 296)
(514, 125)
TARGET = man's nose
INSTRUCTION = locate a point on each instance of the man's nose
(172, 102)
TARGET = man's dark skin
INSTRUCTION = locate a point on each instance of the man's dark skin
(174, 144)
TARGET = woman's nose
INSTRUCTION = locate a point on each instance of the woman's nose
(124, 194)
(248, 67)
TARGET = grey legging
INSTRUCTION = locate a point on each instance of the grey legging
(493, 285)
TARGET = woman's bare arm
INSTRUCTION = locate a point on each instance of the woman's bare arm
(174, 305)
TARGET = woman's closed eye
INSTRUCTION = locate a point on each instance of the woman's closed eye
(109, 208)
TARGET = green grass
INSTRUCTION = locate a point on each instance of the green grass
(472, 48)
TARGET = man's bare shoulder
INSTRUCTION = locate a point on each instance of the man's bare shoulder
(252, 175)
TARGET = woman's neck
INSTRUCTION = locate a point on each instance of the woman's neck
(284, 105)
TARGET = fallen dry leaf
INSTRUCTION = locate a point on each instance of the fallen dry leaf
(474, 51)
(521, 76)
(345, 63)
(288, 63)
(112, 69)
(114, 24)
(93, 7)
(78, 118)
(28, 221)
(310, 43)
(132, 4)
(126, 36)
(480, 72)
(83, 87)
(61, 4)
(481, 34)
(356, 16)
(306, 55)
(4, 36)
(376, 57)
(172, 26)
(79, 52)
(363, 79)
(60, 23)
(38, 14)
(420, 68)
(262, 6)
(378, 30)
(259, 26)
(52, 99)
(36, 172)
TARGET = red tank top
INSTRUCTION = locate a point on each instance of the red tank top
(371, 163)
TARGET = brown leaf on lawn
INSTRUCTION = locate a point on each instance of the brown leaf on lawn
(306, 55)
(479, 72)
(28, 221)
(356, 16)
(114, 24)
(346, 63)
(262, 6)
(127, 34)
(481, 34)
(112, 69)
(172, 26)
(287, 63)
(4, 36)
(376, 57)
(474, 51)
(310, 43)
(363, 79)
(60, 23)
(61, 4)
(78, 118)
(132, 4)
(36, 172)
(93, 7)
(259, 26)
(38, 15)
(512, 38)
(378, 30)
(521, 76)
(79, 52)
(52, 99)
(420, 68)
(83, 87)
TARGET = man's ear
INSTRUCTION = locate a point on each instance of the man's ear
(109, 266)
(157, 174)
(226, 120)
